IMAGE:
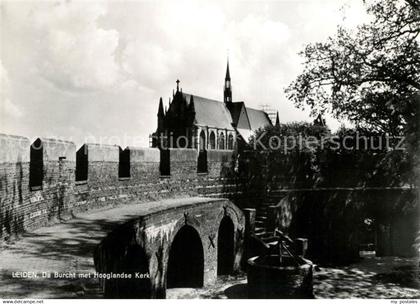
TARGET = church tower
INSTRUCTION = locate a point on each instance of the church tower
(227, 94)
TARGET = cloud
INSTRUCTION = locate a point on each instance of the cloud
(99, 68)
(11, 109)
(8, 109)
(62, 43)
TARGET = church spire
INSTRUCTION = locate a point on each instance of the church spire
(227, 71)
(227, 93)
(177, 85)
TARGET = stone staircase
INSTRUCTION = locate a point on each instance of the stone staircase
(261, 223)
(265, 233)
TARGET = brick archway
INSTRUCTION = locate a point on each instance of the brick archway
(225, 246)
(186, 260)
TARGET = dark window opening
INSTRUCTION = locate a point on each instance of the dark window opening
(165, 163)
(36, 166)
(225, 247)
(124, 164)
(82, 164)
(186, 260)
(202, 162)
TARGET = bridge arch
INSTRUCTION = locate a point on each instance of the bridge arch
(185, 266)
(225, 246)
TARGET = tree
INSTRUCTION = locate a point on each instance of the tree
(370, 75)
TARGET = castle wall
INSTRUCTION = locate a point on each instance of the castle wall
(23, 208)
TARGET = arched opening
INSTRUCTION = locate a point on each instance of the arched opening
(186, 260)
(212, 141)
(230, 142)
(202, 141)
(222, 141)
(136, 263)
(225, 247)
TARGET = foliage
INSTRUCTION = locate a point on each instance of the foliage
(369, 76)
(348, 158)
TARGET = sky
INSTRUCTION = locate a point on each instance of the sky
(94, 71)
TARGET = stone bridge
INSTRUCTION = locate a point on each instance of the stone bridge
(181, 243)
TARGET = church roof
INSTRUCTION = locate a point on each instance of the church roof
(211, 113)
(245, 134)
(257, 118)
(235, 110)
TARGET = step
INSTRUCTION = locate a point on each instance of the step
(261, 217)
(273, 243)
(263, 213)
(263, 234)
(262, 210)
(268, 204)
(269, 239)
(260, 227)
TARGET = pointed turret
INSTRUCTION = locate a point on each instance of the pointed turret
(277, 120)
(160, 116)
(161, 111)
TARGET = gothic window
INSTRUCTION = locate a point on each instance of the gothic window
(212, 141)
(202, 141)
(222, 141)
(230, 142)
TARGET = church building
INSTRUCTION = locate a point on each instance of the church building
(200, 123)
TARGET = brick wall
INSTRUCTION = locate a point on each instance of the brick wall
(14, 184)
(25, 208)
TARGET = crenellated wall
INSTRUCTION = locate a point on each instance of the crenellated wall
(29, 200)
(38, 184)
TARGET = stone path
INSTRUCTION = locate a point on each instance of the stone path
(372, 277)
(68, 247)
(390, 277)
